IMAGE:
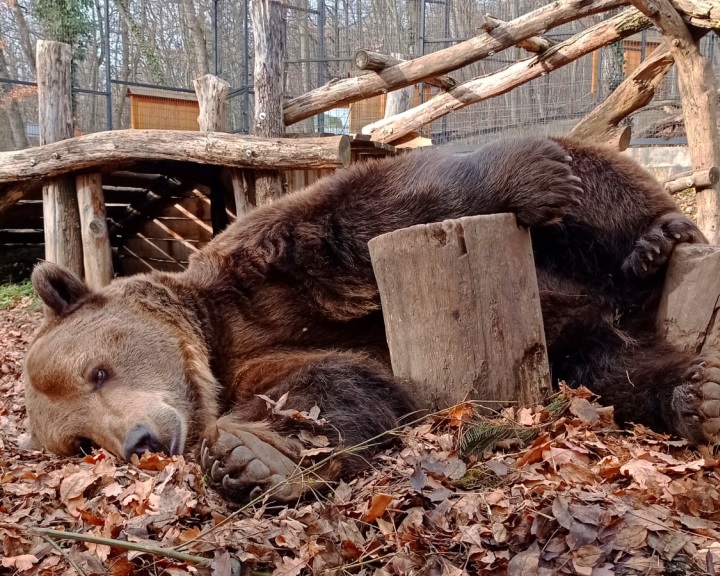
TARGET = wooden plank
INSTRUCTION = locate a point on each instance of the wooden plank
(177, 250)
(176, 229)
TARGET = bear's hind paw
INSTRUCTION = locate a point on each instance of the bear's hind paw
(696, 404)
(241, 466)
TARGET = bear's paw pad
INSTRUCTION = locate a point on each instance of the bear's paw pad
(242, 466)
(697, 403)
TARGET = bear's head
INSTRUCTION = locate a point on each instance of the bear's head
(124, 368)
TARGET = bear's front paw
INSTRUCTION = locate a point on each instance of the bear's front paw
(696, 404)
(545, 189)
(241, 466)
(653, 249)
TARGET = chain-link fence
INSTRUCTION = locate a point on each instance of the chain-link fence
(135, 61)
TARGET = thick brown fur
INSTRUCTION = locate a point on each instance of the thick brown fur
(285, 302)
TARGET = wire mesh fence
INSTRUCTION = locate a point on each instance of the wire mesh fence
(135, 61)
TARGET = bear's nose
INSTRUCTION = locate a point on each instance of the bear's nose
(140, 440)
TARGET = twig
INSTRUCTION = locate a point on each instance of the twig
(154, 550)
(64, 554)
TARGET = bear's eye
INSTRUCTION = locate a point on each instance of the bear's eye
(99, 377)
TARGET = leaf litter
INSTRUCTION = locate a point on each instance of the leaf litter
(541, 491)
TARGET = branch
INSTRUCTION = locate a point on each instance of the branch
(342, 92)
(608, 32)
(633, 93)
(146, 548)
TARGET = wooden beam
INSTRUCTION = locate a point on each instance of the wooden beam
(460, 323)
(342, 92)
(621, 26)
(61, 216)
(268, 22)
(636, 91)
(376, 62)
(698, 93)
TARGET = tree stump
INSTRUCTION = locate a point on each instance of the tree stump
(691, 298)
(462, 311)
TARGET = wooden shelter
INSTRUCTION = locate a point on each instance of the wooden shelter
(157, 109)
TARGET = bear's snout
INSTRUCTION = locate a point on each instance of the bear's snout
(141, 439)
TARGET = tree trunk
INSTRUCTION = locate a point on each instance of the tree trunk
(63, 244)
(461, 323)
(268, 20)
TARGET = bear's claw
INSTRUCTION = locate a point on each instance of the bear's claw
(653, 249)
(696, 404)
(242, 466)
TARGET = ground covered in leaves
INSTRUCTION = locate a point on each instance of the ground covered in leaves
(560, 491)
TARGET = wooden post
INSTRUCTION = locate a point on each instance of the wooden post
(691, 298)
(698, 93)
(398, 100)
(461, 322)
(61, 216)
(97, 255)
(268, 21)
(212, 93)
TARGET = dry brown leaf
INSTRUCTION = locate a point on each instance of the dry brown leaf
(378, 505)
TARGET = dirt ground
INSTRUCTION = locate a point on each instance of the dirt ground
(560, 493)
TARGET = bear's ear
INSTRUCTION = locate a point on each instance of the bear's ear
(58, 288)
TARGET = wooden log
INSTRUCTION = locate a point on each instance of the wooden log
(97, 255)
(691, 298)
(110, 150)
(636, 91)
(342, 92)
(698, 179)
(376, 61)
(699, 13)
(61, 216)
(398, 100)
(698, 93)
(268, 21)
(535, 44)
(608, 32)
(461, 323)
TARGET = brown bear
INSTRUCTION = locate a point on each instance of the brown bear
(284, 302)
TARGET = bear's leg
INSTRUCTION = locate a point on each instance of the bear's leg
(653, 249)
(253, 448)
(650, 382)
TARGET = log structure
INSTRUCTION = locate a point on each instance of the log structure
(112, 150)
(621, 26)
(346, 91)
(61, 216)
(698, 179)
(698, 91)
(462, 324)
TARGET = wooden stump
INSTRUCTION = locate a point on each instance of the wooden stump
(462, 310)
(691, 298)
(61, 216)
